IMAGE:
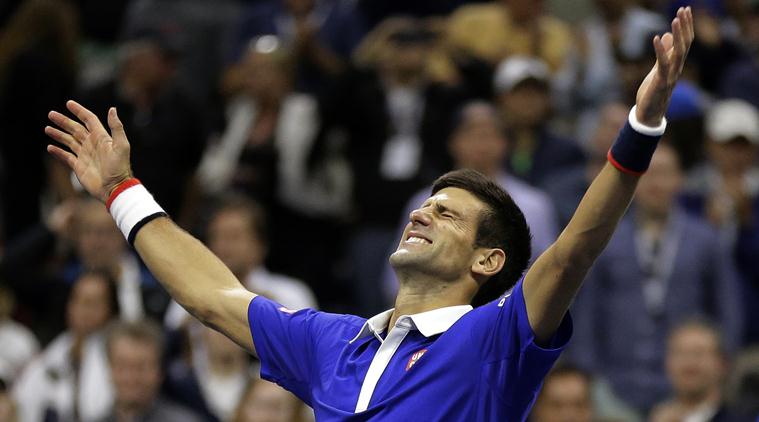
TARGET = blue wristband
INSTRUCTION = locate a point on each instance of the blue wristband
(632, 151)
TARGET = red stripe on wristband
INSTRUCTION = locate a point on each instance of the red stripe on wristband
(620, 167)
(126, 184)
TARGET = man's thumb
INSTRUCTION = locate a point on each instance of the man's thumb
(117, 128)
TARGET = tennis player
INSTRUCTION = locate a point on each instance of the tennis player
(433, 357)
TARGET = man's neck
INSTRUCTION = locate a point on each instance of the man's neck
(694, 402)
(416, 297)
(129, 412)
(651, 222)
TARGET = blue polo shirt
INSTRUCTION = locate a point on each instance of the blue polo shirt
(449, 364)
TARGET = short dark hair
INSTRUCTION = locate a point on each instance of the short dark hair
(502, 225)
(142, 331)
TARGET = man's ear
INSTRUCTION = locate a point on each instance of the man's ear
(489, 262)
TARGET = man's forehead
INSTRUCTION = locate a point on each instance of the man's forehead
(455, 197)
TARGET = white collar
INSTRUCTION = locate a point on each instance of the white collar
(428, 323)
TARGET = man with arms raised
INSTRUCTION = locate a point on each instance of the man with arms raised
(433, 356)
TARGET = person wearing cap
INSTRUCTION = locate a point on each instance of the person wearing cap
(725, 189)
(523, 97)
(435, 356)
(661, 266)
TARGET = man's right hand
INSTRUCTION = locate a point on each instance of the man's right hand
(99, 160)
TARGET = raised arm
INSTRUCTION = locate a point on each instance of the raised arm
(554, 279)
(193, 276)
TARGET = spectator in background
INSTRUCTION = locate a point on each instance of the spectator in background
(523, 97)
(478, 142)
(566, 188)
(497, 30)
(565, 397)
(23, 346)
(661, 266)
(739, 80)
(160, 117)
(80, 236)
(134, 352)
(696, 366)
(321, 33)
(725, 190)
(37, 71)
(267, 402)
(69, 380)
(616, 25)
(391, 114)
(237, 233)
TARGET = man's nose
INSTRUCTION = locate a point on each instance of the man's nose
(420, 216)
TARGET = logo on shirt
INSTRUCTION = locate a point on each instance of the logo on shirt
(285, 310)
(503, 299)
(414, 358)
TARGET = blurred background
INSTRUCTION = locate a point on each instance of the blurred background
(294, 137)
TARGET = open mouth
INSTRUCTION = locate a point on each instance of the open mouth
(416, 238)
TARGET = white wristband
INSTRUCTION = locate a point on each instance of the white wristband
(132, 209)
(643, 129)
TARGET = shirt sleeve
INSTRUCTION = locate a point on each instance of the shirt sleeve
(506, 343)
(285, 343)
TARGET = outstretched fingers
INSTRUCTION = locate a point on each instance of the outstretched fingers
(73, 128)
(89, 119)
(64, 156)
(64, 138)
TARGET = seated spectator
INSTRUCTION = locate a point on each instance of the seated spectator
(565, 397)
(478, 143)
(616, 26)
(161, 119)
(725, 190)
(80, 236)
(134, 351)
(568, 187)
(69, 380)
(237, 234)
(264, 401)
(522, 86)
(739, 80)
(696, 366)
(390, 111)
(494, 31)
(321, 33)
(661, 266)
(24, 344)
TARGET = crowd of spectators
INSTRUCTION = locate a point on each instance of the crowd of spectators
(292, 137)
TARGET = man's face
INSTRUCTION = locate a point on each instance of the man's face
(526, 105)
(733, 157)
(99, 242)
(564, 398)
(694, 363)
(658, 188)
(478, 142)
(439, 239)
(136, 371)
(89, 306)
(231, 238)
(268, 402)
